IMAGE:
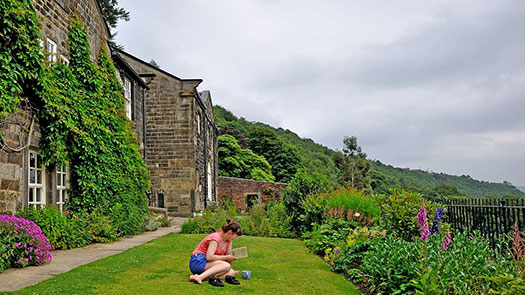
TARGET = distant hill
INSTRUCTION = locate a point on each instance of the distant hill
(318, 158)
(422, 181)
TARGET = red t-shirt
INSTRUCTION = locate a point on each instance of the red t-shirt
(202, 248)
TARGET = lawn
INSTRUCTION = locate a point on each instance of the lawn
(279, 266)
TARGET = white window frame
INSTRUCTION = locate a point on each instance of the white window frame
(209, 183)
(51, 49)
(34, 186)
(127, 96)
(61, 185)
(64, 60)
(198, 123)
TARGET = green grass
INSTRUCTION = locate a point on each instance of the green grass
(279, 266)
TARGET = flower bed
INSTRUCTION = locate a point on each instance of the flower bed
(22, 243)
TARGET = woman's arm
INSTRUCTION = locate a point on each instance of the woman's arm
(229, 251)
(210, 254)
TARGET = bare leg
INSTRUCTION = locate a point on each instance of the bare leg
(219, 268)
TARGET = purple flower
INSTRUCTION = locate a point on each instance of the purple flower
(425, 234)
(422, 216)
(337, 250)
(436, 222)
(446, 242)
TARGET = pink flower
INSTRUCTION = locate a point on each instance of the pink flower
(422, 216)
(446, 242)
(426, 233)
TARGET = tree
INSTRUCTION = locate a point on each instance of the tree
(283, 157)
(235, 161)
(353, 165)
(301, 186)
(112, 14)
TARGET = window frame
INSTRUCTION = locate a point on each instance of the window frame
(34, 187)
(62, 174)
(51, 54)
(128, 95)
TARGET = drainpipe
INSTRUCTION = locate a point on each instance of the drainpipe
(144, 121)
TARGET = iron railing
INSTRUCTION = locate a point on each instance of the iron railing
(491, 217)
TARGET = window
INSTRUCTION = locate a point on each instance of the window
(36, 191)
(127, 95)
(51, 48)
(64, 60)
(209, 183)
(198, 123)
(61, 178)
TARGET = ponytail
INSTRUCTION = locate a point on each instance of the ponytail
(232, 225)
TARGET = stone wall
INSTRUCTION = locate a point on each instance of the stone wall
(205, 133)
(238, 189)
(54, 22)
(170, 148)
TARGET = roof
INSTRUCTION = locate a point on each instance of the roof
(122, 64)
(155, 68)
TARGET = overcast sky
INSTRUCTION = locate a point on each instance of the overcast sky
(432, 85)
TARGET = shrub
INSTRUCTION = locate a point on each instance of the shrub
(22, 243)
(149, 224)
(97, 226)
(280, 223)
(399, 211)
(256, 223)
(331, 234)
(300, 187)
(163, 221)
(209, 222)
(127, 219)
(54, 225)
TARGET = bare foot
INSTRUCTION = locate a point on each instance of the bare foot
(236, 272)
(195, 279)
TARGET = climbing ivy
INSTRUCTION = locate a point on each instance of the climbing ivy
(82, 118)
(20, 56)
(86, 126)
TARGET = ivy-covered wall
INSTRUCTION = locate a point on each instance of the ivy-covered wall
(79, 109)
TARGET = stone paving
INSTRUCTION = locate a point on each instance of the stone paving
(65, 260)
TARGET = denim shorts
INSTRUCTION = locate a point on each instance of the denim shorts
(198, 263)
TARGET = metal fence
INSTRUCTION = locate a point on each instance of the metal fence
(492, 217)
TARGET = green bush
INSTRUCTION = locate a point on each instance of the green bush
(331, 234)
(256, 222)
(399, 213)
(280, 223)
(209, 222)
(127, 218)
(98, 226)
(54, 225)
(301, 186)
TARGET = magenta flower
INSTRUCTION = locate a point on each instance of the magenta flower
(425, 234)
(446, 242)
(422, 216)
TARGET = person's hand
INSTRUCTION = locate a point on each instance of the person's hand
(230, 258)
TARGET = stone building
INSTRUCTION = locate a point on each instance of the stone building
(181, 139)
(244, 193)
(182, 167)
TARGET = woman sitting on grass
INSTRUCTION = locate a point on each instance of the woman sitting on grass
(213, 259)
